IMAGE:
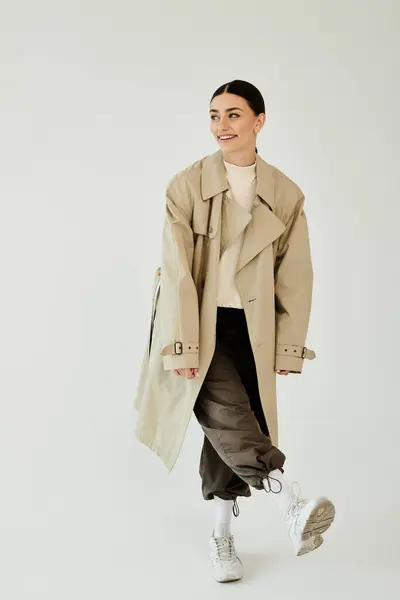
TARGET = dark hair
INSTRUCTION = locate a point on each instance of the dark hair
(246, 90)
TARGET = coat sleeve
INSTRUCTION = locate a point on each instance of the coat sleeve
(178, 294)
(293, 293)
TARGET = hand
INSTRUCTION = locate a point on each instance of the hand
(281, 372)
(189, 373)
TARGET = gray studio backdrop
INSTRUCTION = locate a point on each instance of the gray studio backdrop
(100, 104)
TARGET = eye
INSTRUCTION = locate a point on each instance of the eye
(212, 117)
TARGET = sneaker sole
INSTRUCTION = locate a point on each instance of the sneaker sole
(309, 545)
(319, 520)
(228, 580)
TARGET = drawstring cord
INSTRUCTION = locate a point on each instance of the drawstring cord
(235, 508)
(269, 485)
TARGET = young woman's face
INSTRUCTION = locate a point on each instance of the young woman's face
(231, 116)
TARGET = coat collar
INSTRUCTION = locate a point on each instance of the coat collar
(214, 180)
(261, 227)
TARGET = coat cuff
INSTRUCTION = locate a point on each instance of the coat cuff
(181, 355)
(291, 357)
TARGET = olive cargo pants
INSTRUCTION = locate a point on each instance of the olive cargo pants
(237, 452)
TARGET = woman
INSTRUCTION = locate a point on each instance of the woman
(231, 308)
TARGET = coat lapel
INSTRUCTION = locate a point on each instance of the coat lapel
(262, 230)
(234, 219)
(261, 226)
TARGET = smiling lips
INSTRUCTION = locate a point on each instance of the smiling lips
(226, 138)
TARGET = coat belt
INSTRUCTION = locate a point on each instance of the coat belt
(299, 351)
(193, 348)
(181, 348)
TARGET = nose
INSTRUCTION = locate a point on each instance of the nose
(223, 127)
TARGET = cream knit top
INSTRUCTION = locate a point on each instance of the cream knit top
(242, 188)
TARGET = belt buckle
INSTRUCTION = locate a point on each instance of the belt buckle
(303, 354)
(175, 350)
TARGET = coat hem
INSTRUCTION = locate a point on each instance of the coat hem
(169, 463)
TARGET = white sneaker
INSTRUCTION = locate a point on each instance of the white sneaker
(306, 520)
(226, 564)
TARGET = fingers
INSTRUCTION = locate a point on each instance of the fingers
(189, 373)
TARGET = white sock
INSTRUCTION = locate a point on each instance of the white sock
(282, 496)
(223, 515)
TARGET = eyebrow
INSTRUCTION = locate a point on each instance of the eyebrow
(227, 109)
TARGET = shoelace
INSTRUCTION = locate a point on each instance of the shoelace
(296, 503)
(225, 547)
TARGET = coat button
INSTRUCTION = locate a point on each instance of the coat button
(210, 230)
(256, 202)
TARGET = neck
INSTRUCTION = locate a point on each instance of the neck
(241, 158)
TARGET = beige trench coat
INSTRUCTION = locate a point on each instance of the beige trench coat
(274, 278)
